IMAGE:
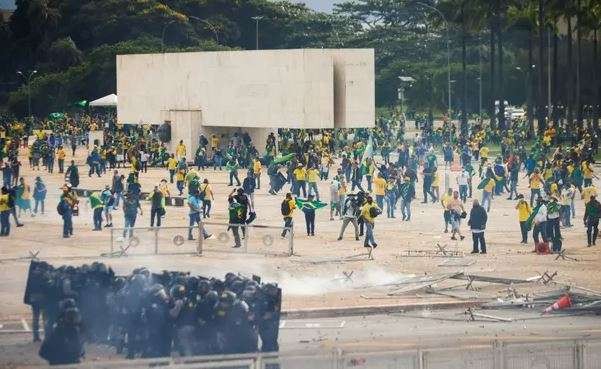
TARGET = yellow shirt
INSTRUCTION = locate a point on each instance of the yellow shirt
(180, 176)
(300, 174)
(181, 150)
(523, 210)
(4, 203)
(484, 152)
(61, 154)
(165, 190)
(379, 186)
(171, 164)
(435, 180)
(214, 142)
(587, 192)
(312, 175)
(445, 199)
(292, 206)
(206, 188)
(587, 171)
(365, 211)
(257, 166)
(535, 182)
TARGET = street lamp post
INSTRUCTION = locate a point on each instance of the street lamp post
(28, 79)
(210, 25)
(257, 18)
(479, 79)
(448, 50)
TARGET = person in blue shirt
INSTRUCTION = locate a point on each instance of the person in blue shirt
(309, 209)
(249, 184)
(39, 194)
(195, 215)
(66, 212)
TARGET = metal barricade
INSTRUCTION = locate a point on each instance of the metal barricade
(253, 238)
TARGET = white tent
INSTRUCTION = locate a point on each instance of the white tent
(108, 100)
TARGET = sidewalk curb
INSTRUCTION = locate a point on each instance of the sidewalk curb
(374, 309)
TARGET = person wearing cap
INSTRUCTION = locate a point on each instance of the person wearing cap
(524, 212)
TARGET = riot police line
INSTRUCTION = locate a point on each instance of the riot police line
(148, 315)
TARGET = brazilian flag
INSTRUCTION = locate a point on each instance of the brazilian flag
(56, 116)
(81, 103)
(530, 219)
(315, 204)
(484, 183)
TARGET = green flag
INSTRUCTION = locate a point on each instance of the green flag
(484, 183)
(530, 219)
(315, 204)
(56, 116)
(282, 158)
(81, 103)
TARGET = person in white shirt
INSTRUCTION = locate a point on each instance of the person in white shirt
(567, 195)
(144, 161)
(463, 182)
(540, 222)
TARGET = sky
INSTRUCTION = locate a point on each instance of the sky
(10, 4)
(321, 5)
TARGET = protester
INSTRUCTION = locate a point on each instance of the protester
(477, 223)
(369, 212)
(524, 212)
(39, 195)
(4, 212)
(592, 213)
(287, 209)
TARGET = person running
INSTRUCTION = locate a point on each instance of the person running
(350, 212)
(287, 209)
(369, 212)
(477, 223)
(592, 213)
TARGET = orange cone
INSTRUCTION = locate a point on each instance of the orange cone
(564, 302)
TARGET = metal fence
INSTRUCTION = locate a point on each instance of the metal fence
(499, 354)
(253, 238)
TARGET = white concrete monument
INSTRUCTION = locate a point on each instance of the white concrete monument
(253, 91)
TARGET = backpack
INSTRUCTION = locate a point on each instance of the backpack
(374, 212)
(285, 208)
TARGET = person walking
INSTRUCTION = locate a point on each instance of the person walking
(61, 154)
(195, 215)
(65, 210)
(456, 212)
(157, 209)
(232, 167)
(249, 184)
(131, 206)
(309, 209)
(207, 197)
(592, 213)
(463, 182)
(171, 167)
(23, 197)
(446, 213)
(350, 212)
(524, 212)
(407, 192)
(97, 206)
(553, 231)
(312, 178)
(257, 167)
(477, 223)
(237, 216)
(287, 209)
(72, 174)
(107, 196)
(369, 212)
(39, 194)
(379, 190)
(335, 198)
(536, 182)
(4, 213)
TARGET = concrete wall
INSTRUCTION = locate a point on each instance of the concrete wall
(256, 91)
(354, 88)
(267, 88)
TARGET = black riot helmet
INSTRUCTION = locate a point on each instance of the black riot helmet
(177, 292)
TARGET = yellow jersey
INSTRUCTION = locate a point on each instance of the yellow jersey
(257, 166)
(365, 212)
(4, 203)
(300, 174)
(490, 185)
(535, 182)
(524, 210)
(587, 193)
(171, 164)
(379, 186)
(312, 175)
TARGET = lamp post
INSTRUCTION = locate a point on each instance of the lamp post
(257, 18)
(479, 79)
(210, 25)
(448, 50)
(404, 81)
(163, 35)
(28, 79)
